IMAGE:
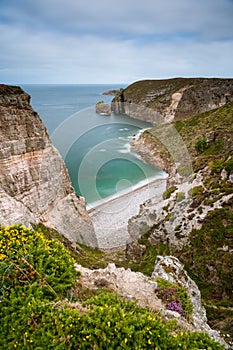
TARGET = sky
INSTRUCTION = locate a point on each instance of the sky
(120, 41)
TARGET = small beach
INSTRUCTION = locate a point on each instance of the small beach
(110, 218)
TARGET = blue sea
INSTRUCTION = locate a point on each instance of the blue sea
(95, 147)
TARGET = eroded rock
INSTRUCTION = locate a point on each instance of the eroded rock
(34, 182)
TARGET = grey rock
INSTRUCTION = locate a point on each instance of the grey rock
(170, 269)
(103, 108)
(34, 182)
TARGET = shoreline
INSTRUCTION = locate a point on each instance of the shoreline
(110, 219)
(111, 199)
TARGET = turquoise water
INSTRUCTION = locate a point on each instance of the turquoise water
(95, 148)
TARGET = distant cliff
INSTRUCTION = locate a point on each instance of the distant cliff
(172, 99)
(34, 183)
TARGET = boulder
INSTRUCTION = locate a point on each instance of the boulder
(103, 108)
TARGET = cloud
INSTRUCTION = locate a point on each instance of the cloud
(57, 41)
(208, 18)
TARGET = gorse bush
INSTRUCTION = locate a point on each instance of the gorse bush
(26, 257)
(105, 322)
(37, 273)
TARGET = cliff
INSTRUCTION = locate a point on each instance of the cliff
(34, 183)
(172, 99)
(194, 220)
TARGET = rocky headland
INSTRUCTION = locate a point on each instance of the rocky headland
(159, 101)
(192, 141)
(190, 229)
(111, 92)
(34, 182)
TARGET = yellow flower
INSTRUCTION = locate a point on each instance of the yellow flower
(2, 256)
(149, 342)
(126, 340)
(109, 323)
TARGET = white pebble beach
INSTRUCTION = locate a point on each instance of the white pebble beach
(110, 218)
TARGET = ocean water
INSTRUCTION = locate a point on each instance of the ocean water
(95, 148)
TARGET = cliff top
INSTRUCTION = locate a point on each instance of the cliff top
(173, 99)
(8, 89)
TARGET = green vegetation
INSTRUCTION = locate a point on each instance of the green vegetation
(8, 89)
(40, 310)
(180, 196)
(208, 261)
(28, 258)
(208, 258)
(175, 297)
(208, 136)
(168, 192)
(201, 145)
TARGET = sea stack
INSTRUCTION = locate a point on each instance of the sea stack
(102, 108)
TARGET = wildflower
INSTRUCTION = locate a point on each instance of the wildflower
(149, 342)
(2, 256)
(109, 323)
(175, 306)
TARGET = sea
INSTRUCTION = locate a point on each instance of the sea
(95, 148)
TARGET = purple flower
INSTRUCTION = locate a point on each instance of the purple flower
(175, 306)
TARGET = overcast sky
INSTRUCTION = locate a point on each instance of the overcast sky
(120, 41)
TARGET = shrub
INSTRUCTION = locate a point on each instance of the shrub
(27, 257)
(201, 145)
(106, 322)
(175, 297)
(180, 196)
(35, 274)
(168, 192)
(229, 165)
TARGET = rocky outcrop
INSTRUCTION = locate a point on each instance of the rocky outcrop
(170, 269)
(102, 108)
(34, 182)
(196, 203)
(159, 101)
(193, 175)
(134, 286)
(111, 92)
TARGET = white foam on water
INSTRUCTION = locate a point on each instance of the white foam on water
(140, 184)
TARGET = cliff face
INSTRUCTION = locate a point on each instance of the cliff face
(172, 99)
(34, 183)
(194, 221)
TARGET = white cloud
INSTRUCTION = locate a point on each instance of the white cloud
(208, 18)
(67, 42)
